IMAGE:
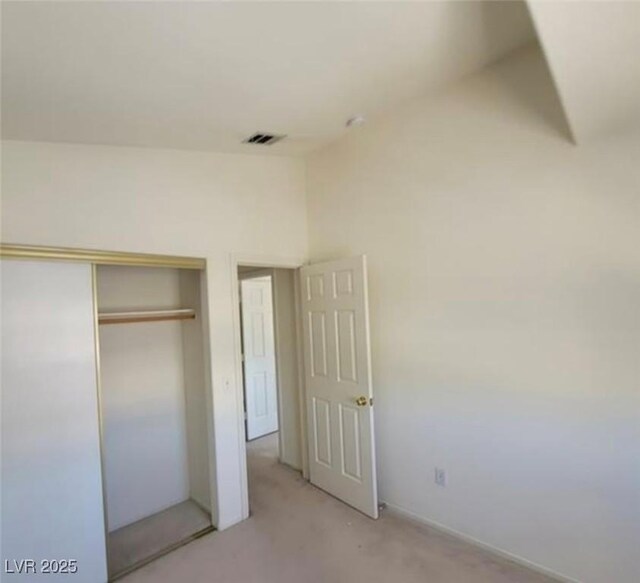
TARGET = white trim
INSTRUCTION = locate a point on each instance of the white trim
(421, 521)
(99, 257)
(304, 450)
(256, 273)
(268, 261)
(236, 260)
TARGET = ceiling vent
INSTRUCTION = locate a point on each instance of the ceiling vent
(264, 139)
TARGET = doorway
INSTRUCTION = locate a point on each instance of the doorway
(321, 326)
(270, 369)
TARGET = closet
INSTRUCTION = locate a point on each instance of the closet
(152, 402)
(106, 412)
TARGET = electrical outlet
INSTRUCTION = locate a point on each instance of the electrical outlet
(440, 477)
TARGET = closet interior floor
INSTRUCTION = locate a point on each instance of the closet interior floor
(142, 540)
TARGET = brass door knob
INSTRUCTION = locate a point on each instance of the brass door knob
(362, 401)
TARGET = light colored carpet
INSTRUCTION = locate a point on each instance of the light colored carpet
(298, 533)
(145, 538)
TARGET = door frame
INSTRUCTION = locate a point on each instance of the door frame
(264, 262)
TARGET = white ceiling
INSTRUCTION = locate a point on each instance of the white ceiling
(205, 75)
(593, 50)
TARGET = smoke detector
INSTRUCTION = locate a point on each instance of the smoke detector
(356, 120)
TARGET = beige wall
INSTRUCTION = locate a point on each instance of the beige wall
(196, 386)
(165, 201)
(142, 374)
(287, 363)
(504, 296)
(505, 313)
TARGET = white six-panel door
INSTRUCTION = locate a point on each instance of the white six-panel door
(261, 394)
(338, 381)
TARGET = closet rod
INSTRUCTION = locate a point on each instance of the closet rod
(146, 316)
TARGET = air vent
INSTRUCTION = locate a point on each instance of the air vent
(263, 139)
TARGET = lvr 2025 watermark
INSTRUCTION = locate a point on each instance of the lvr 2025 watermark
(44, 566)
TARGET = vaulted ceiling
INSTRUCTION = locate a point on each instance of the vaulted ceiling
(593, 51)
(206, 75)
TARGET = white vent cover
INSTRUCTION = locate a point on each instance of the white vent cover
(264, 139)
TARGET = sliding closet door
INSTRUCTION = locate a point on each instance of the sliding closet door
(52, 506)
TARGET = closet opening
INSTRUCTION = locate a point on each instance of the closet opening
(154, 408)
(271, 372)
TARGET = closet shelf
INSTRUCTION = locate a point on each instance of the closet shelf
(146, 316)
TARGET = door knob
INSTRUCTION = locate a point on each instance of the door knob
(362, 401)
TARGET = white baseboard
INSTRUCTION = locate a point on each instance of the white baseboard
(420, 520)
